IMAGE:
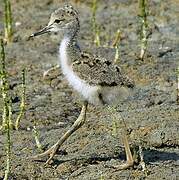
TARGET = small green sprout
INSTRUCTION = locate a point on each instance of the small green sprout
(7, 109)
(96, 31)
(144, 26)
(36, 137)
(8, 21)
(4, 86)
(22, 105)
(115, 45)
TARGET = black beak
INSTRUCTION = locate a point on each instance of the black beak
(42, 31)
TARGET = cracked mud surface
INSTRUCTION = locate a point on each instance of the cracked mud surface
(151, 113)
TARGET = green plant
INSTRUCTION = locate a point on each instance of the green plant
(4, 87)
(7, 109)
(22, 105)
(96, 30)
(144, 26)
(8, 21)
(115, 44)
(5, 92)
(36, 137)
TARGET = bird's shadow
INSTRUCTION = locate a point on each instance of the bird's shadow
(150, 156)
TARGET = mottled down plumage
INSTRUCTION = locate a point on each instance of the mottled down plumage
(97, 80)
(100, 71)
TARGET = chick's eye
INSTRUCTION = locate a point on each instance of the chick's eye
(57, 21)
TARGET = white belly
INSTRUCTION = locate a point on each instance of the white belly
(89, 93)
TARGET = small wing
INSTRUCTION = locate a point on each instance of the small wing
(99, 71)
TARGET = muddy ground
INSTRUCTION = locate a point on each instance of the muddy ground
(151, 112)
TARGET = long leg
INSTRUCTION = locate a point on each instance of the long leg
(77, 124)
(129, 159)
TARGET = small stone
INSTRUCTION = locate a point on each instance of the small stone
(28, 128)
(61, 123)
(17, 23)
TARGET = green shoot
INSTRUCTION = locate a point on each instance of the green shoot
(4, 86)
(8, 21)
(7, 111)
(22, 105)
(95, 27)
(143, 30)
(36, 137)
(115, 44)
